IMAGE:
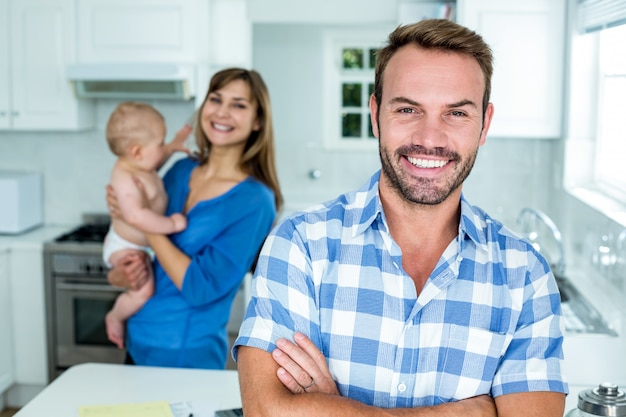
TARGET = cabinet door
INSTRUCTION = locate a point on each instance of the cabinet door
(6, 328)
(29, 319)
(42, 35)
(231, 32)
(4, 65)
(527, 38)
(138, 30)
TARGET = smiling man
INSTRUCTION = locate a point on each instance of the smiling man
(402, 298)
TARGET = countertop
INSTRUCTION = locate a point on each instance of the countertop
(107, 384)
(591, 359)
(34, 238)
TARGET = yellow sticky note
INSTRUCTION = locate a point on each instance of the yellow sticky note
(149, 409)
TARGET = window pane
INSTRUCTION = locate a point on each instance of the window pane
(373, 58)
(351, 95)
(351, 125)
(610, 144)
(353, 58)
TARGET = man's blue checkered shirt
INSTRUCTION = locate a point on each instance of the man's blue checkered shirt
(488, 320)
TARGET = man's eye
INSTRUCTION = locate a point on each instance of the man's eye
(407, 110)
(457, 113)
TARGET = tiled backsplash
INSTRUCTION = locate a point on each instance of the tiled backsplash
(593, 240)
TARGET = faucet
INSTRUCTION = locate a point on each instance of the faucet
(559, 268)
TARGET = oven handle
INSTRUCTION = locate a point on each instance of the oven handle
(86, 287)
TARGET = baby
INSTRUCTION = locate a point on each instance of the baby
(135, 133)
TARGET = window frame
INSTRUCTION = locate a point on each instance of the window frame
(610, 185)
(335, 41)
(581, 178)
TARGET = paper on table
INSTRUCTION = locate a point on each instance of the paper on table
(147, 409)
(151, 409)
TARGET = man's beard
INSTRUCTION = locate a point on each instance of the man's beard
(424, 190)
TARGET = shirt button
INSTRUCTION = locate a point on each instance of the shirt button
(402, 387)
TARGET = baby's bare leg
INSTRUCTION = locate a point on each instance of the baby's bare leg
(126, 304)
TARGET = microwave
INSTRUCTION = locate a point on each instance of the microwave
(21, 201)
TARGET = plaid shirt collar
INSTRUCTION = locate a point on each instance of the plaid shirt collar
(471, 225)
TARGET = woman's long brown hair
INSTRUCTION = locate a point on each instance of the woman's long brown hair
(258, 158)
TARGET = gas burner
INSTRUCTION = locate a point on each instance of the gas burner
(85, 233)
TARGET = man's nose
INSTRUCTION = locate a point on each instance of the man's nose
(430, 133)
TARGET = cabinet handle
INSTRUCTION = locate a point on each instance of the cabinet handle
(315, 174)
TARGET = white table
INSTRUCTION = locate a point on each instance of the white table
(94, 383)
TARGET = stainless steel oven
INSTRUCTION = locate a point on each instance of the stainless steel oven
(78, 297)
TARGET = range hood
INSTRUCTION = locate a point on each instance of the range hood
(133, 81)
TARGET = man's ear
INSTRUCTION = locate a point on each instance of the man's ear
(374, 117)
(488, 117)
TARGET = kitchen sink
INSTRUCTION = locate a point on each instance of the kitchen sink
(579, 314)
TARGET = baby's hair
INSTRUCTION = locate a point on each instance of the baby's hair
(130, 124)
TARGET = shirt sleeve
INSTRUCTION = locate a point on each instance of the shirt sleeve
(283, 293)
(534, 357)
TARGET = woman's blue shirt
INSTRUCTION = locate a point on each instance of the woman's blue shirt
(187, 328)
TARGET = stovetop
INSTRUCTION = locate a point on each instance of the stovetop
(87, 233)
(84, 241)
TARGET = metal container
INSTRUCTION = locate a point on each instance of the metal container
(606, 400)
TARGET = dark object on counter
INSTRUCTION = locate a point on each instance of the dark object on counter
(606, 400)
(234, 412)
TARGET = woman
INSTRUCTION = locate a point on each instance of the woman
(230, 195)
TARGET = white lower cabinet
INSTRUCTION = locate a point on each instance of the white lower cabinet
(6, 327)
(29, 321)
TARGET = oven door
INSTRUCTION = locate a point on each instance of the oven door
(81, 307)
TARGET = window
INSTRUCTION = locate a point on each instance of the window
(357, 84)
(609, 167)
(596, 145)
(349, 81)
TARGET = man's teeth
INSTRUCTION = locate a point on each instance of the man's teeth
(222, 127)
(426, 163)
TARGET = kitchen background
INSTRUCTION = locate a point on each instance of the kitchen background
(287, 44)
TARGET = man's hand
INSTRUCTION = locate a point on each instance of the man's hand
(303, 366)
(132, 271)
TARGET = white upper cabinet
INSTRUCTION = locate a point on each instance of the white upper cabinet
(141, 30)
(527, 38)
(231, 34)
(36, 44)
(323, 11)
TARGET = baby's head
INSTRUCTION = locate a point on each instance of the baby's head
(134, 125)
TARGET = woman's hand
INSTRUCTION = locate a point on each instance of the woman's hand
(132, 271)
(303, 367)
(112, 204)
(145, 202)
